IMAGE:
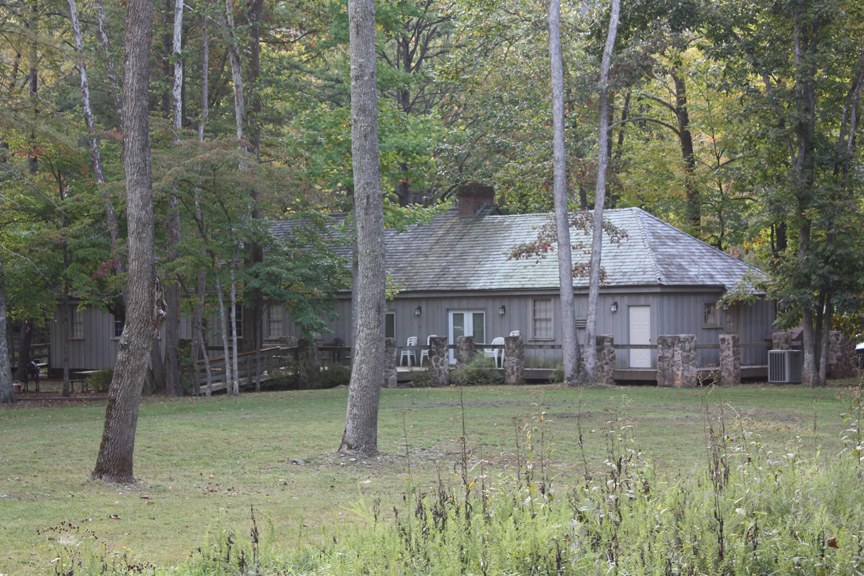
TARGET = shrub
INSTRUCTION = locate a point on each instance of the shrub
(100, 380)
(421, 379)
(557, 376)
(479, 371)
(330, 376)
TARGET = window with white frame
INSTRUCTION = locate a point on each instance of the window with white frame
(274, 323)
(76, 324)
(710, 317)
(541, 319)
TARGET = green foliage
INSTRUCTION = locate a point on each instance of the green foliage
(421, 379)
(557, 376)
(479, 371)
(750, 511)
(330, 376)
(303, 274)
(100, 380)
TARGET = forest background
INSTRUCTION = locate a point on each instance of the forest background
(735, 121)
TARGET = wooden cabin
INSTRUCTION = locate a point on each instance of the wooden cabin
(455, 278)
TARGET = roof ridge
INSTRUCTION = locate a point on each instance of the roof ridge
(714, 248)
(638, 212)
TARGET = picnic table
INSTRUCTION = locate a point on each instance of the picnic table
(81, 377)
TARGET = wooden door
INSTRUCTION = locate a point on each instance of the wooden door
(640, 333)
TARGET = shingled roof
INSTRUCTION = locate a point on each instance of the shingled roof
(454, 253)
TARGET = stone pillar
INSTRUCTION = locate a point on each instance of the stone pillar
(439, 359)
(676, 361)
(514, 361)
(841, 355)
(730, 360)
(308, 363)
(390, 350)
(464, 350)
(604, 370)
(781, 341)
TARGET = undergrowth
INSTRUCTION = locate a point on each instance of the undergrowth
(748, 510)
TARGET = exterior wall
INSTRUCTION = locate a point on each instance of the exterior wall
(672, 312)
(96, 349)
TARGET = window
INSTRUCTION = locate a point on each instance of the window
(390, 325)
(274, 323)
(118, 327)
(541, 319)
(710, 315)
(76, 321)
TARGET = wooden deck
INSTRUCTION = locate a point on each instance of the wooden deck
(650, 374)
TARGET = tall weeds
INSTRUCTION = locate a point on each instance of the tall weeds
(747, 510)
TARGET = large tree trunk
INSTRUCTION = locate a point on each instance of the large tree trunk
(145, 308)
(7, 393)
(569, 337)
(173, 386)
(599, 197)
(361, 420)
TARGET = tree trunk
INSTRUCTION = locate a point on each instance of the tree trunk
(226, 351)
(24, 343)
(236, 68)
(198, 347)
(67, 311)
(198, 343)
(203, 345)
(109, 59)
(825, 343)
(599, 197)
(32, 25)
(234, 390)
(205, 78)
(95, 155)
(569, 336)
(361, 421)
(7, 392)
(145, 308)
(685, 139)
(173, 386)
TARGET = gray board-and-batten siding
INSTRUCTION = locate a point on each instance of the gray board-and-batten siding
(458, 263)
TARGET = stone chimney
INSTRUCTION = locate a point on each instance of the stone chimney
(473, 197)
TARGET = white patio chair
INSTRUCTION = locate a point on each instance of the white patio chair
(496, 353)
(515, 333)
(408, 351)
(424, 354)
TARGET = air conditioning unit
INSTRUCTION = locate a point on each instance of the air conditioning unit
(785, 366)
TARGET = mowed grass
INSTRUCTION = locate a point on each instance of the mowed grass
(202, 463)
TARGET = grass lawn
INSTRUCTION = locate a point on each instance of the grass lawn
(202, 462)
